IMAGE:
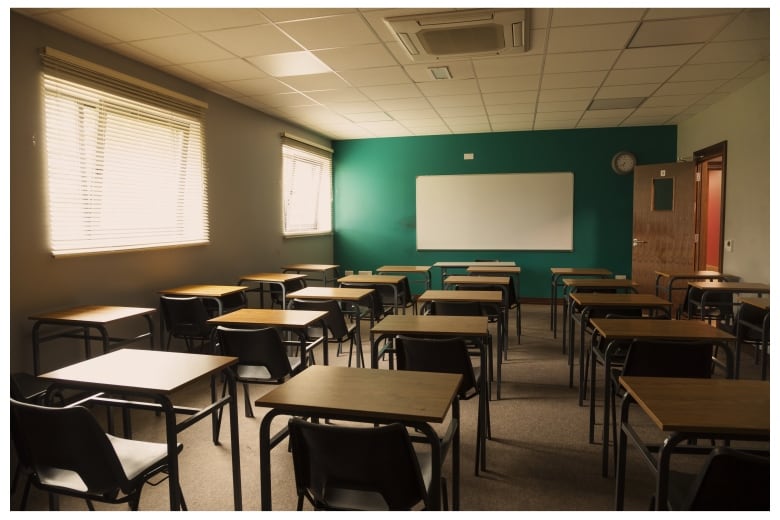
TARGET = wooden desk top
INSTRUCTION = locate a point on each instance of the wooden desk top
(477, 280)
(435, 325)
(404, 268)
(726, 406)
(581, 271)
(311, 267)
(93, 314)
(759, 303)
(628, 329)
(618, 300)
(461, 296)
(599, 283)
(467, 264)
(272, 277)
(689, 274)
(385, 395)
(490, 269)
(372, 278)
(330, 293)
(208, 291)
(152, 371)
(269, 317)
(748, 287)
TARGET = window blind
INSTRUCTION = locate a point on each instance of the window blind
(125, 160)
(307, 187)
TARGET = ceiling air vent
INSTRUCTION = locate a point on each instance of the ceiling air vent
(467, 32)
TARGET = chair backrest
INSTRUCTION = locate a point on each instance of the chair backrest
(261, 353)
(334, 320)
(67, 444)
(375, 307)
(364, 468)
(449, 355)
(669, 359)
(441, 308)
(185, 316)
(289, 286)
(730, 480)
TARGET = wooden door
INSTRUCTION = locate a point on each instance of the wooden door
(664, 222)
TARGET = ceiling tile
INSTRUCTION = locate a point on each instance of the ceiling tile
(753, 23)
(562, 106)
(209, 19)
(626, 91)
(449, 87)
(590, 37)
(510, 98)
(128, 24)
(391, 91)
(314, 82)
(580, 61)
(459, 70)
(335, 31)
(749, 50)
(455, 101)
(408, 103)
(257, 87)
(573, 80)
(375, 76)
(225, 70)
(709, 71)
(466, 111)
(681, 88)
(253, 40)
(656, 57)
(653, 75)
(508, 66)
(565, 17)
(509, 84)
(566, 94)
(185, 48)
(359, 57)
(654, 33)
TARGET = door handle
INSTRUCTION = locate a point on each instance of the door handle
(636, 242)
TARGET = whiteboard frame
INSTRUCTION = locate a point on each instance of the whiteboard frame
(495, 211)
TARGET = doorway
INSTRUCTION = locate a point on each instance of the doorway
(710, 206)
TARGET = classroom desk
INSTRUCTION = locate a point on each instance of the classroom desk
(557, 274)
(342, 294)
(571, 285)
(415, 399)
(718, 409)
(445, 267)
(668, 288)
(626, 329)
(80, 320)
(323, 269)
(424, 271)
(369, 280)
(214, 293)
(272, 279)
(712, 288)
(489, 297)
(296, 321)
(589, 301)
(157, 375)
(753, 315)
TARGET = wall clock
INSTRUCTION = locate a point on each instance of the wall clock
(623, 163)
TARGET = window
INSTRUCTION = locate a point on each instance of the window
(307, 187)
(126, 164)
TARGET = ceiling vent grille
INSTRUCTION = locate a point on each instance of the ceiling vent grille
(431, 36)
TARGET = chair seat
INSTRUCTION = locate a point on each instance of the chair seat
(260, 374)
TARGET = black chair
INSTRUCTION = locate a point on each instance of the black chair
(444, 308)
(450, 355)
(69, 454)
(730, 480)
(289, 286)
(405, 300)
(338, 329)
(752, 328)
(690, 359)
(262, 359)
(718, 308)
(186, 318)
(348, 468)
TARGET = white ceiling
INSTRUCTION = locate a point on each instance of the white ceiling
(341, 72)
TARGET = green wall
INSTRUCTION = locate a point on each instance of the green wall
(374, 194)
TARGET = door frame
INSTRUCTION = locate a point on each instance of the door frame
(702, 158)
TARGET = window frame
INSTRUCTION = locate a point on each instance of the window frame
(98, 200)
(302, 152)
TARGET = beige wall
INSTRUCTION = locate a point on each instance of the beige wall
(741, 119)
(243, 150)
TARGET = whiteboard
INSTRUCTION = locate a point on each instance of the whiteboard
(502, 211)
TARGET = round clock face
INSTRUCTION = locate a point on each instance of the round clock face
(623, 163)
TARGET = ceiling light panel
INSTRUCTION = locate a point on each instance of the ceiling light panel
(290, 64)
